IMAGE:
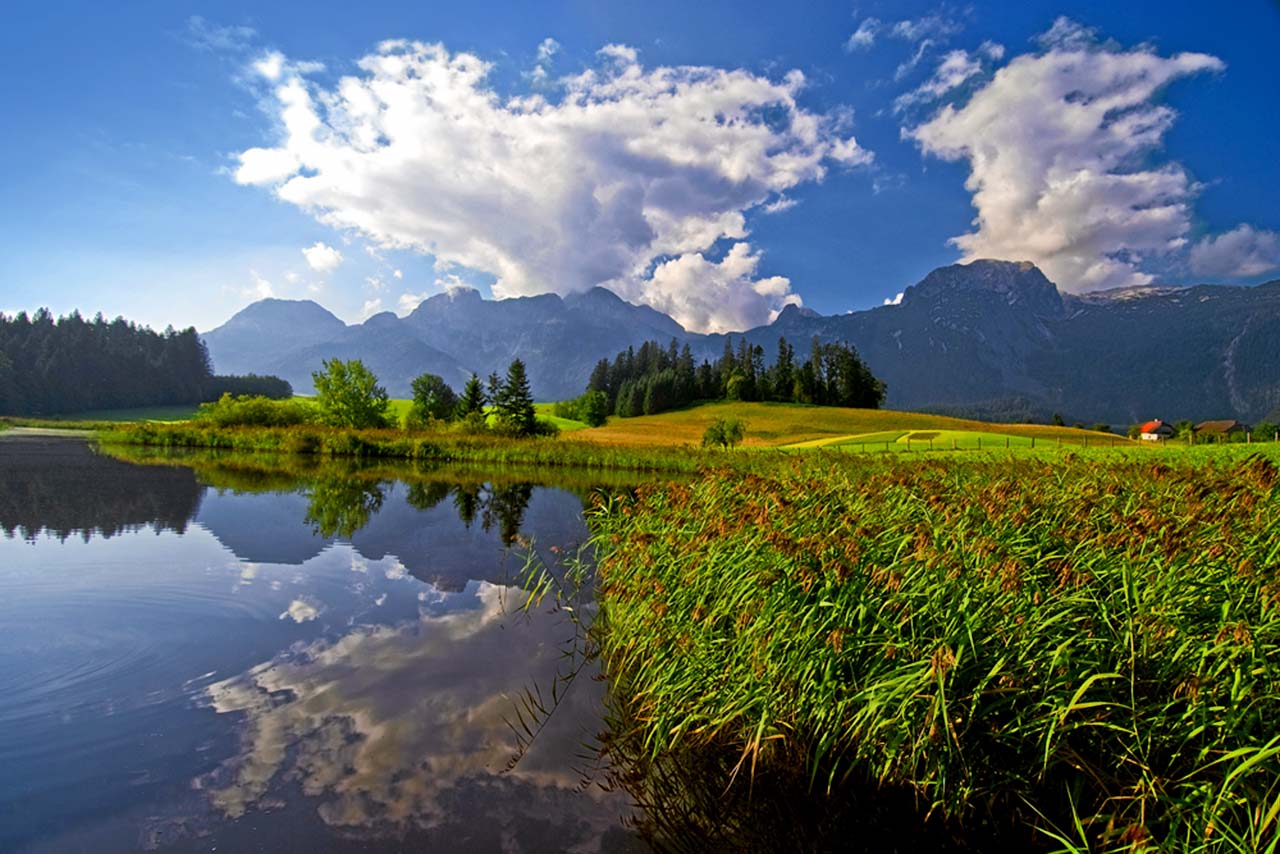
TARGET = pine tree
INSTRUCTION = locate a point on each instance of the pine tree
(514, 401)
(473, 398)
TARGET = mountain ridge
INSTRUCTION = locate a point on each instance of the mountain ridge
(965, 336)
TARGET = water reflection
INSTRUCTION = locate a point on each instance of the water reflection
(63, 487)
(240, 655)
(388, 728)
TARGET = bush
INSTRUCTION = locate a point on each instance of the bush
(591, 408)
(256, 411)
(724, 433)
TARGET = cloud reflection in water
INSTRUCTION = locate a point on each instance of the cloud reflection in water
(396, 726)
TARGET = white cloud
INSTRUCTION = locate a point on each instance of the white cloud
(711, 297)
(542, 67)
(322, 258)
(1054, 143)
(782, 203)
(547, 49)
(918, 29)
(864, 36)
(408, 302)
(397, 274)
(897, 300)
(270, 65)
(370, 308)
(375, 283)
(451, 282)
(260, 289)
(291, 277)
(992, 50)
(211, 37)
(910, 65)
(1242, 251)
(956, 68)
(632, 166)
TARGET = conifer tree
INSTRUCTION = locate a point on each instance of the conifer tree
(514, 401)
(473, 398)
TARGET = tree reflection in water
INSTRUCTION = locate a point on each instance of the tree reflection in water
(341, 506)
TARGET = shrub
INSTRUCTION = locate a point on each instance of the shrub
(256, 411)
(724, 433)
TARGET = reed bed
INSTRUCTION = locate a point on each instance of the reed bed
(1083, 649)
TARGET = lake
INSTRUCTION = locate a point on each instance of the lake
(225, 654)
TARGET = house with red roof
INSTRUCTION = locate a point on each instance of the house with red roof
(1156, 431)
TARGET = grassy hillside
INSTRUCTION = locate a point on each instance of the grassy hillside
(790, 424)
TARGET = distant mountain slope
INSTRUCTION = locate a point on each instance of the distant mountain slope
(989, 336)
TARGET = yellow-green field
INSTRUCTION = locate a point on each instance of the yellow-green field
(800, 426)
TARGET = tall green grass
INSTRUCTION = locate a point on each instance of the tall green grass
(1084, 649)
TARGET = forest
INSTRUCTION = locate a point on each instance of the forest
(655, 378)
(52, 367)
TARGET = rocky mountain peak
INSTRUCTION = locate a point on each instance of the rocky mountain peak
(1016, 283)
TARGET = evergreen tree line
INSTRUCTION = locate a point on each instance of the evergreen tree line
(50, 366)
(655, 378)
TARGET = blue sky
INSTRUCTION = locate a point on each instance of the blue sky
(132, 185)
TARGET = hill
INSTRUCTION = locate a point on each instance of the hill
(788, 424)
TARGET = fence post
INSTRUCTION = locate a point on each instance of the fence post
(931, 444)
(1006, 443)
(953, 443)
(1086, 441)
(979, 443)
(1033, 441)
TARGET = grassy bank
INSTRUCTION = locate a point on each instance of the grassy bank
(1083, 644)
(421, 447)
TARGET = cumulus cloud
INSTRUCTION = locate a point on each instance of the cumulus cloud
(1242, 251)
(260, 289)
(716, 297)
(1055, 145)
(896, 300)
(630, 168)
(864, 36)
(322, 258)
(397, 274)
(370, 308)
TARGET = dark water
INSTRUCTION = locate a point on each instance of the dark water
(224, 656)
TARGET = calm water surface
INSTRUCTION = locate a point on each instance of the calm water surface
(215, 657)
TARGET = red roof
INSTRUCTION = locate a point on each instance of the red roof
(1152, 426)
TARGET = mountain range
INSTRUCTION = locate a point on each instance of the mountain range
(991, 339)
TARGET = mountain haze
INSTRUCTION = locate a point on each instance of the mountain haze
(988, 336)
